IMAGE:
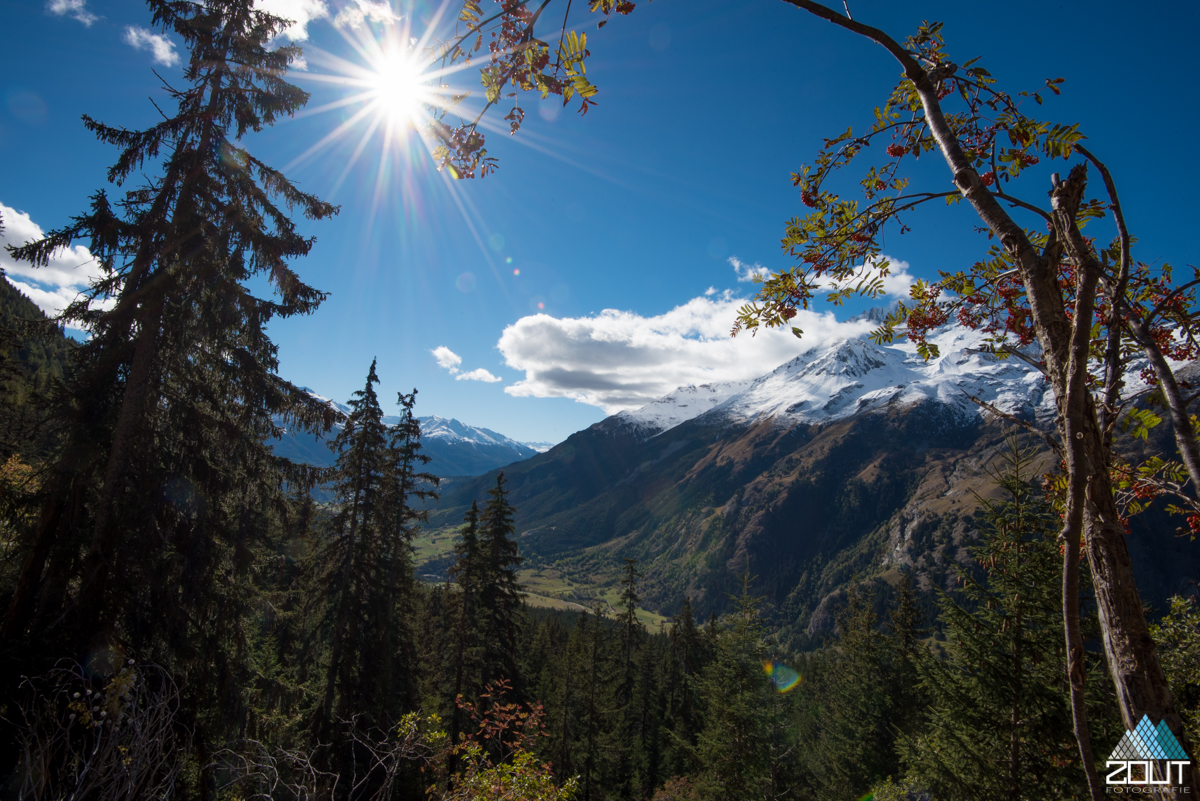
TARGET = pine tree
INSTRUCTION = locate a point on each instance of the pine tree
(164, 481)
(733, 746)
(367, 585)
(626, 736)
(397, 604)
(467, 572)
(999, 724)
(500, 598)
(683, 715)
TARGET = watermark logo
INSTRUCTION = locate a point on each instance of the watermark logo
(1154, 753)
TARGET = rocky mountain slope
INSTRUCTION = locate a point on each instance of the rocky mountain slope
(850, 462)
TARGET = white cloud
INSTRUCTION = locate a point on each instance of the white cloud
(354, 14)
(895, 284)
(478, 375)
(747, 272)
(620, 360)
(300, 12)
(76, 9)
(51, 302)
(447, 358)
(69, 271)
(712, 290)
(162, 48)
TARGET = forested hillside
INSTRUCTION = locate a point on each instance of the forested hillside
(34, 356)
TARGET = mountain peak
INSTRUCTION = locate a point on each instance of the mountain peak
(851, 376)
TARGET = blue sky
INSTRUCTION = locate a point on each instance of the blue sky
(630, 228)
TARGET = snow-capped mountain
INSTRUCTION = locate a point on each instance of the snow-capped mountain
(854, 376)
(456, 449)
(685, 403)
(851, 460)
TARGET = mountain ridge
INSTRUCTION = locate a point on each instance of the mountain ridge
(850, 463)
(455, 448)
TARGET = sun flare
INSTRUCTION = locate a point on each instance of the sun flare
(398, 87)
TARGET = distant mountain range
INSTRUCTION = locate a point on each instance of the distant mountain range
(850, 462)
(455, 448)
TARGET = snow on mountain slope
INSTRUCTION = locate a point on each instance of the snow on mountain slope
(854, 376)
(452, 431)
(456, 448)
(681, 405)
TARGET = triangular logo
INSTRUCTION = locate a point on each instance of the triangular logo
(1147, 737)
(1126, 749)
(1168, 742)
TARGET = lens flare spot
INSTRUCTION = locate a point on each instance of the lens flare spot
(541, 305)
(509, 261)
(782, 677)
(516, 271)
(465, 282)
(496, 241)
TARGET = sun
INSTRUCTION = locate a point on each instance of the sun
(398, 88)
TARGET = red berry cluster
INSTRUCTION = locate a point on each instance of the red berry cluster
(896, 150)
(988, 178)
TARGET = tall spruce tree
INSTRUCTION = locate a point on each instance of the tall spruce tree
(152, 509)
(367, 585)
(733, 746)
(500, 598)
(467, 572)
(999, 722)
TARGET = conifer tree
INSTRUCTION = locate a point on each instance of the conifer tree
(733, 746)
(999, 723)
(164, 476)
(367, 583)
(499, 591)
(682, 672)
(593, 762)
(467, 572)
(627, 738)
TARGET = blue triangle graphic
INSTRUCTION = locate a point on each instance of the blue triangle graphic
(1168, 742)
(1145, 731)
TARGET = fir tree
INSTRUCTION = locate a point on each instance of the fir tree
(627, 735)
(733, 745)
(156, 503)
(999, 724)
(367, 584)
(467, 572)
(499, 591)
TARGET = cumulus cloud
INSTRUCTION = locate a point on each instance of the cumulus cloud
(895, 284)
(162, 48)
(447, 358)
(76, 9)
(478, 375)
(747, 272)
(621, 360)
(354, 14)
(52, 287)
(300, 12)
